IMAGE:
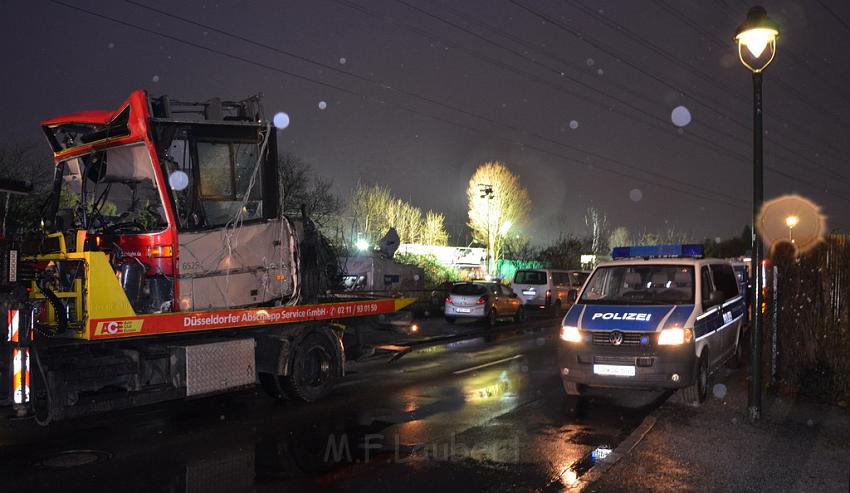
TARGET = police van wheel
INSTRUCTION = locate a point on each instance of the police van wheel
(695, 394)
(572, 388)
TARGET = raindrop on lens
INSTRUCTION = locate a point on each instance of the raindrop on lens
(636, 195)
(281, 120)
(680, 116)
(178, 180)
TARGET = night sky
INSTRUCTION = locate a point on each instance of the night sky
(575, 96)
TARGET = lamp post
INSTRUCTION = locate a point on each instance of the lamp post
(487, 193)
(756, 40)
(791, 221)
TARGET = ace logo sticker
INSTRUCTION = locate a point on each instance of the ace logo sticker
(117, 327)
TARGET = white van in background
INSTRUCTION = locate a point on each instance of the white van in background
(548, 289)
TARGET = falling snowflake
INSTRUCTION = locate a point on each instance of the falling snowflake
(636, 195)
(719, 390)
(573, 124)
(322, 105)
(600, 71)
(155, 78)
(110, 45)
(590, 62)
(680, 116)
(281, 120)
(342, 60)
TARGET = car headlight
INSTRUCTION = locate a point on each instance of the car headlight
(570, 334)
(675, 337)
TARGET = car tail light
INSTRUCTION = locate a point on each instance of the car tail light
(448, 299)
(548, 295)
(481, 300)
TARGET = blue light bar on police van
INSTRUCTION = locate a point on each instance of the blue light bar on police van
(658, 251)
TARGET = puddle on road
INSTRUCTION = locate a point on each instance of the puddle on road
(580, 467)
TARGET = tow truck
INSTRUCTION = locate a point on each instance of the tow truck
(164, 268)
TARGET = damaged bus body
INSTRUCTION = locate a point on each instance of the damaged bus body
(166, 268)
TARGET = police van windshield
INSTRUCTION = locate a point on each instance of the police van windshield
(640, 285)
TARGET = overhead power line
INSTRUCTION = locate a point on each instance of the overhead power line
(557, 23)
(711, 105)
(704, 193)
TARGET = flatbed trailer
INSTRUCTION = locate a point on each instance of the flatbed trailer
(165, 268)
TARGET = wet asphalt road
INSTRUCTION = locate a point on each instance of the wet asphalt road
(482, 413)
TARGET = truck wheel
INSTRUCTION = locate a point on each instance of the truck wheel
(315, 369)
(695, 394)
(572, 388)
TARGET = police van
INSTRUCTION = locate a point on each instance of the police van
(656, 317)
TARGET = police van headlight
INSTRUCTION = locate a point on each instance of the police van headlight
(675, 337)
(570, 334)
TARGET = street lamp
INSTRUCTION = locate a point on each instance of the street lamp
(756, 40)
(791, 221)
(487, 193)
(362, 244)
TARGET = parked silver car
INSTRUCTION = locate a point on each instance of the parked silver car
(483, 300)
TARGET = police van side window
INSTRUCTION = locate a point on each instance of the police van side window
(706, 287)
(724, 280)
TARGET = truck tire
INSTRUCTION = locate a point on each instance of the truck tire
(314, 369)
(695, 393)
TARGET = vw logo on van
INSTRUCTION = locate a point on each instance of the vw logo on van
(615, 338)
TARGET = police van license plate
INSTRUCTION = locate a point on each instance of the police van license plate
(615, 370)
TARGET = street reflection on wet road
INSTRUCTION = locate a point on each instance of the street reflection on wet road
(484, 413)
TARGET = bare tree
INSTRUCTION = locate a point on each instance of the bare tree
(24, 162)
(619, 237)
(598, 223)
(374, 211)
(498, 206)
(301, 187)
